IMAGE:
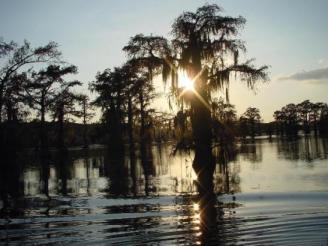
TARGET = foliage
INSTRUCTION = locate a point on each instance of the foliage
(306, 114)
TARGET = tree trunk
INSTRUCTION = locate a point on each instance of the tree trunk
(252, 129)
(85, 126)
(85, 138)
(61, 141)
(203, 163)
(87, 168)
(9, 111)
(201, 120)
(43, 140)
(63, 173)
(115, 143)
(132, 147)
(45, 174)
(315, 124)
(142, 117)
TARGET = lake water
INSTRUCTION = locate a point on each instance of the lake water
(273, 193)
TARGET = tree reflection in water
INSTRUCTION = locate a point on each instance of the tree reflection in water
(64, 169)
(45, 172)
(117, 172)
(147, 163)
(208, 221)
(178, 211)
(11, 185)
(79, 171)
(87, 165)
(251, 151)
(207, 212)
(307, 148)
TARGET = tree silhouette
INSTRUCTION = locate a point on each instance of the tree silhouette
(148, 53)
(314, 115)
(323, 122)
(86, 115)
(203, 42)
(304, 110)
(279, 117)
(224, 123)
(15, 61)
(309, 115)
(14, 57)
(146, 56)
(252, 117)
(14, 101)
(63, 106)
(41, 92)
(287, 119)
(224, 112)
(111, 99)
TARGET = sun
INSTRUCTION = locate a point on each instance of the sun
(185, 82)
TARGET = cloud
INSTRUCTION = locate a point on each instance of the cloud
(323, 62)
(312, 75)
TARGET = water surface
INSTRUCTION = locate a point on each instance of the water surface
(273, 193)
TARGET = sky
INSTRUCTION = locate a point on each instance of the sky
(289, 36)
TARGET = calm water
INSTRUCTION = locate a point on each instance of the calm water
(273, 193)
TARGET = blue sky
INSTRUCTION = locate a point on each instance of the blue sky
(290, 36)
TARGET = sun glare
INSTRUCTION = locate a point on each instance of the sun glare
(196, 206)
(185, 82)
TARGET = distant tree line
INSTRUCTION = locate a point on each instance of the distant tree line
(305, 116)
(292, 119)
